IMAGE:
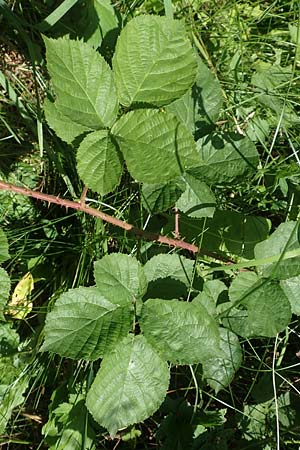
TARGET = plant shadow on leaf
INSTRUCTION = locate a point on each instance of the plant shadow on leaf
(176, 430)
(199, 208)
(95, 23)
(206, 126)
(183, 429)
(166, 288)
(219, 141)
(264, 389)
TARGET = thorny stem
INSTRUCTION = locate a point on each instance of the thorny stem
(83, 195)
(81, 206)
(176, 231)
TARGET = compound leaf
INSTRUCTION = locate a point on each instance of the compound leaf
(130, 385)
(183, 109)
(83, 83)
(169, 276)
(98, 162)
(85, 324)
(120, 274)
(182, 332)
(156, 146)
(212, 292)
(154, 61)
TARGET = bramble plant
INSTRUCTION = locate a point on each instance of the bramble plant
(149, 113)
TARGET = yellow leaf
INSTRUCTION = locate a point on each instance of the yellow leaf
(20, 305)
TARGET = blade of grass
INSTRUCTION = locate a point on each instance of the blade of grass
(56, 15)
(168, 9)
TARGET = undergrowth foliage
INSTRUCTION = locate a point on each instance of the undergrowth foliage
(145, 107)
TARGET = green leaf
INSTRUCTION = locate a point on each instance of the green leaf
(224, 158)
(121, 274)
(130, 385)
(184, 110)
(271, 81)
(173, 266)
(98, 23)
(197, 200)
(9, 340)
(210, 295)
(267, 311)
(207, 96)
(253, 423)
(227, 231)
(241, 284)
(4, 290)
(220, 372)
(291, 288)
(154, 61)
(156, 147)
(68, 427)
(4, 255)
(240, 233)
(284, 238)
(182, 332)
(162, 196)
(64, 127)
(85, 324)
(200, 107)
(83, 83)
(168, 276)
(214, 288)
(98, 162)
(10, 397)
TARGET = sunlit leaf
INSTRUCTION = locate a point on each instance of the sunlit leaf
(130, 385)
(182, 332)
(98, 162)
(83, 83)
(121, 274)
(86, 324)
(156, 146)
(154, 61)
